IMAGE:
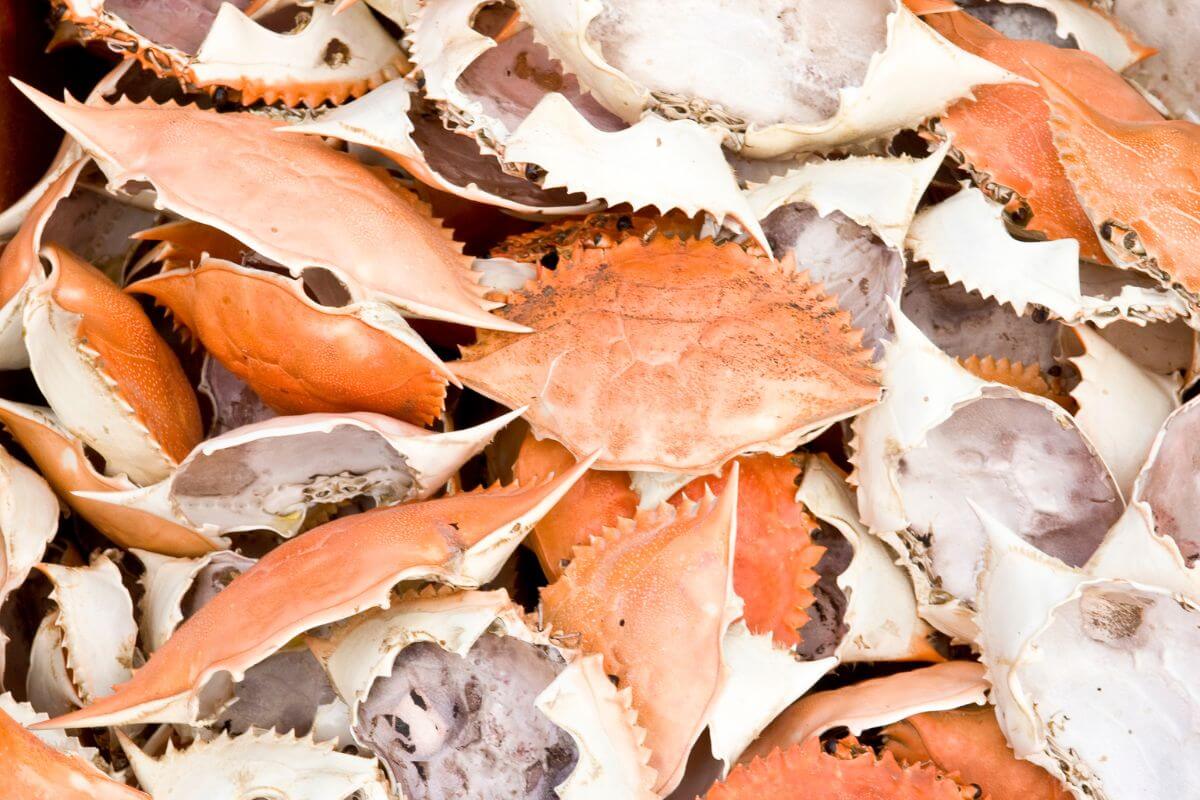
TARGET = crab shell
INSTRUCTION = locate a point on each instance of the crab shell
(107, 374)
(85, 647)
(1096, 30)
(332, 57)
(924, 389)
(380, 120)
(916, 76)
(166, 582)
(254, 764)
(268, 475)
(28, 521)
(965, 239)
(881, 624)
(873, 704)
(1155, 537)
(63, 461)
(1170, 25)
(383, 243)
(21, 268)
(1107, 638)
(334, 571)
(39, 765)
(581, 700)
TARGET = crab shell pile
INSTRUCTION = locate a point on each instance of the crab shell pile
(604, 400)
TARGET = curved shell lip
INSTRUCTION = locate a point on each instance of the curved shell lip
(166, 582)
(83, 396)
(562, 26)
(29, 513)
(420, 447)
(379, 120)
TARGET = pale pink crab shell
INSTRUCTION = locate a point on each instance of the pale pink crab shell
(917, 75)
(266, 763)
(881, 619)
(923, 388)
(324, 458)
(581, 700)
(85, 646)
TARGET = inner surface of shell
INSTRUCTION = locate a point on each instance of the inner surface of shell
(181, 24)
(765, 62)
(997, 448)
(282, 475)
(453, 727)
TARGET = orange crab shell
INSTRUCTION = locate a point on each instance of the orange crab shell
(599, 499)
(849, 773)
(19, 258)
(774, 565)
(651, 595)
(63, 462)
(674, 356)
(275, 194)
(144, 370)
(968, 741)
(601, 230)
(1004, 132)
(1136, 176)
(332, 572)
(299, 357)
(35, 771)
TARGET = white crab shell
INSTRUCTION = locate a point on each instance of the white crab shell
(1085, 671)
(581, 699)
(1032, 474)
(380, 120)
(167, 581)
(881, 623)
(965, 239)
(267, 475)
(28, 521)
(85, 647)
(257, 764)
(917, 75)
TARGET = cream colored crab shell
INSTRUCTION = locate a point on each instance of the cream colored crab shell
(1057, 642)
(28, 521)
(1121, 405)
(881, 622)
(335, 55)
(85, 399)
(878, 193)
(301, 461)
(256, 764)
(922, 388)
(86, 646)
(165, 583)
(581, 700)
(380, 120)
(916, 76)
(965, 239)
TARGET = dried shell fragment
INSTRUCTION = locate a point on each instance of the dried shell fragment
(872, 704)
(257, 763)
(1107, 638)
(110, 378)
(937, 418)
(21, 270)
(383, 120)
(423, 676)
(912, 76)
(965, 239)
(851, 772)
(92, 631)
(1134, 181)
(63, 461)
(662, 320)
(299, 356)
(381, 242)
(665, 576)
(34, 769)
(28, 521)
(271, 474)
(333, 571)
(1003, 136)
